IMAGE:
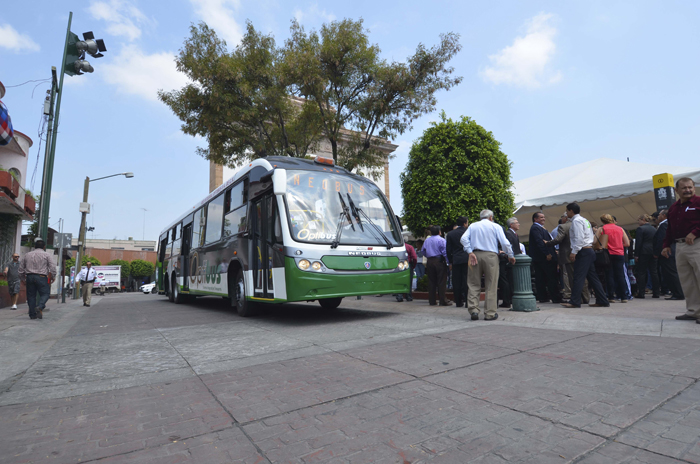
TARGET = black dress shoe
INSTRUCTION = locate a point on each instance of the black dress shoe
(504, 305)
(655, 296)
(399, 299)
(685, 317)
(495, 316)
(475, 316)
(675, 298)
(409, 298)
(544, 301)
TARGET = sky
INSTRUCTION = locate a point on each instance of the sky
(557, 83)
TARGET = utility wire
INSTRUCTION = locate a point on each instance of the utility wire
(23, 83)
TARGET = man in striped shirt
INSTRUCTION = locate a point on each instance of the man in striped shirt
(38, 270)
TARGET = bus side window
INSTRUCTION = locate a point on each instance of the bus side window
(177, 235)
(200, 220)
(215, 214)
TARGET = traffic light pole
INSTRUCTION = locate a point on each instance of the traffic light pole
(44, 218)
(47, 181)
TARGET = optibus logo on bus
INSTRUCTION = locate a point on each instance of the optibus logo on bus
(203, 274)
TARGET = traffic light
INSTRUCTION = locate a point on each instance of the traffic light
(77, 49)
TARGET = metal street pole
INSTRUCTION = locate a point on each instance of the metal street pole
(46, 185)
(81, 240)
(144, 224)
(45, 195)
(59, 278)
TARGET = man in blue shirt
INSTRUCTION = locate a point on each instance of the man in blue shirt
(435, 250)
(481, 241)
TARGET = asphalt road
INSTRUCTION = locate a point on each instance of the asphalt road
(137, 379)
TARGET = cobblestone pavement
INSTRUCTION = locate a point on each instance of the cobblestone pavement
(136, 379)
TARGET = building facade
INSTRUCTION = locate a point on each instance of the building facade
(16, 203)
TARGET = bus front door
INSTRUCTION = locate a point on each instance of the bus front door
(263, 225)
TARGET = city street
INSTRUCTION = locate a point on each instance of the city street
(137, 379)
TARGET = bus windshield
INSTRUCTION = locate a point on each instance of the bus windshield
(315, 209)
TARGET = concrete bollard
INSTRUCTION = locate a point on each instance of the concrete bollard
(523, 298)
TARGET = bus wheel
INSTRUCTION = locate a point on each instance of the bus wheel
(330, 303)
(177, 297)
(244, 307)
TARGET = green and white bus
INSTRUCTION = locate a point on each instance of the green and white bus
(282, 230)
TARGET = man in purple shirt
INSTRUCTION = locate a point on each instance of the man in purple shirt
(434, 249)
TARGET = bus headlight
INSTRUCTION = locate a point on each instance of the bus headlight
(403, 265)
(316, 266)
(304, 264)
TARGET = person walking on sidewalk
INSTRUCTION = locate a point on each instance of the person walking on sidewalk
(11, 272)
(38, 270)
(563, 239)
(481, 242)
(87, 279)
(582, 255)
(667, 266)
(684, 229)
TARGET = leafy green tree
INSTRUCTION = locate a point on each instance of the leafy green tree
(84, 260)
(456, 168)
(261, 100)
(355, 89)
(126, 267)
(239, 101)
(141, 268)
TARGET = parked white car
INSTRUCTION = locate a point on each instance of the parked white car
(148, 288)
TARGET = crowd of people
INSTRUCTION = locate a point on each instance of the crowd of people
(577, 261)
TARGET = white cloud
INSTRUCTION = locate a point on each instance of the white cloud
(527, 62)
(123, 18)
(219, 15)
(16, 42)
(313, 12)
(136, 73)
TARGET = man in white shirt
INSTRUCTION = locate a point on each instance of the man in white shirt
(481, 241)
(87, 279)
(583, 257)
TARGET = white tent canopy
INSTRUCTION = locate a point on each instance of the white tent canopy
(600, 186)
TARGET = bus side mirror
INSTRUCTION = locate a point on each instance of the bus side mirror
(279, 181)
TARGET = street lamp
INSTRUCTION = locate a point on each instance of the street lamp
(84, 209)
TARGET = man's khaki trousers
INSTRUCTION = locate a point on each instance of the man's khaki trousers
(688, 264)
(487, 264)
(87, 292)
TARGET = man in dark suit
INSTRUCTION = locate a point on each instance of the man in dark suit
(505, 274)
(544, 260)
(668, 265)
(459, 261)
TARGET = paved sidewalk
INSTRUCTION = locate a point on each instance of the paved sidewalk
(136, 379)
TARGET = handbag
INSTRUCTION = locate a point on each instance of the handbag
(602, 255)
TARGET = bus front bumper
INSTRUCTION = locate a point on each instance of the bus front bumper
(304, 285)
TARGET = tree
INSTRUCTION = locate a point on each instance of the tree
(362, 98)
(239, 101)
(84, 260)
(455, 169)
(141, 268)
(262, 100)
(126, 267)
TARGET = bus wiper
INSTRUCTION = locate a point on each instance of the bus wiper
(355, 212)
(372, 225)
(344, 213)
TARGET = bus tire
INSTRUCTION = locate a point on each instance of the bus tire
(330, 303)
(168, 290)
(244, 307)
(177, 297)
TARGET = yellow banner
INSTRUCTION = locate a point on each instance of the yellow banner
(663, 180)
